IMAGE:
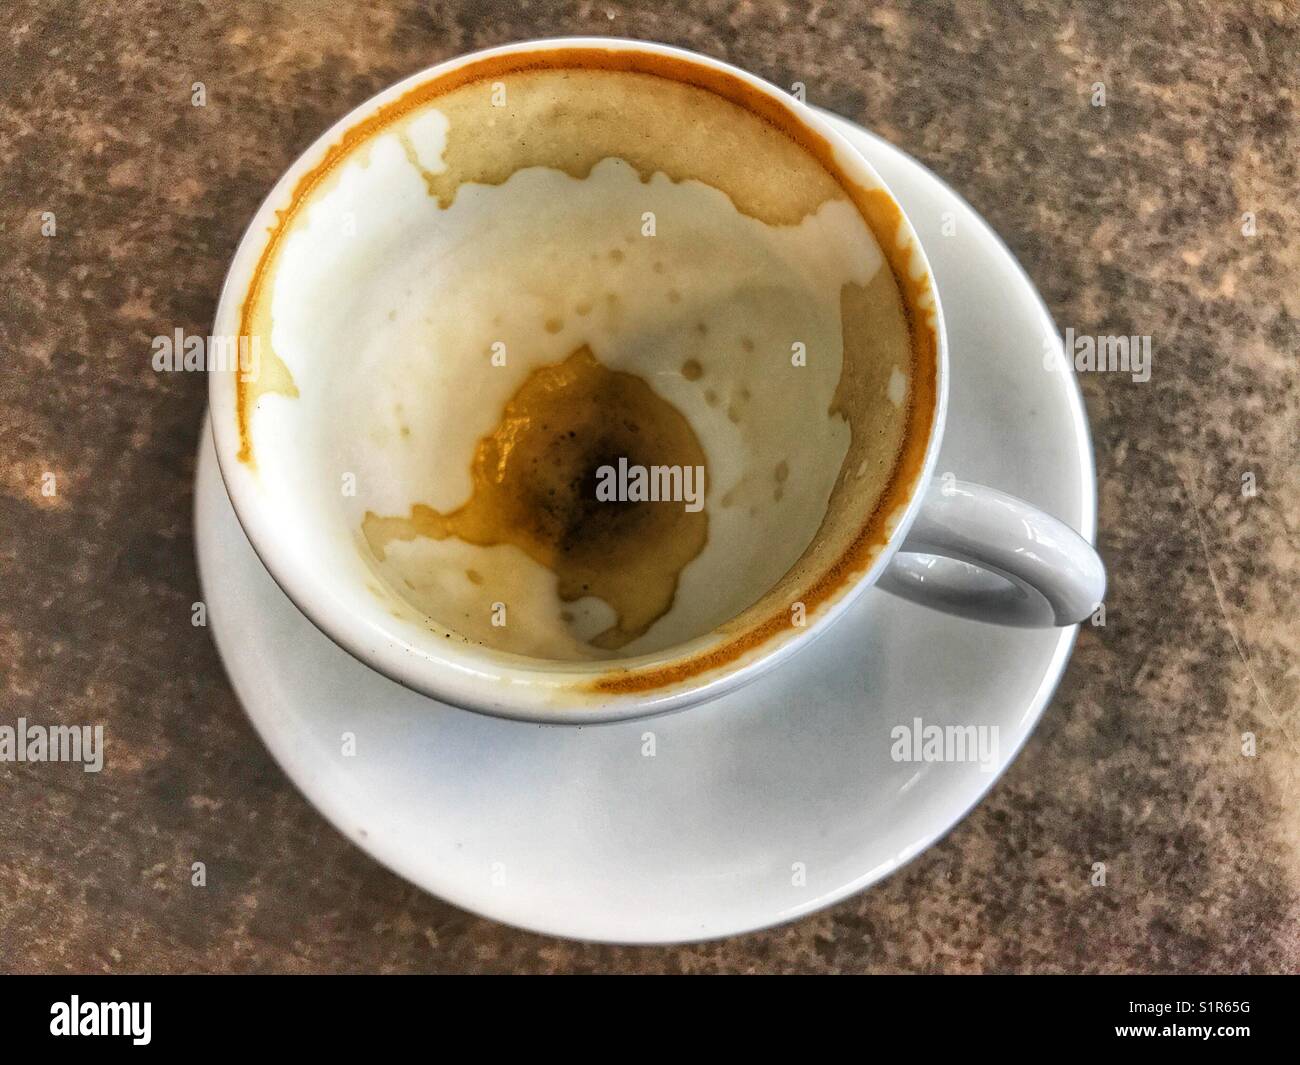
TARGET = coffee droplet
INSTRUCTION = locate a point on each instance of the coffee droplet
(534, 486)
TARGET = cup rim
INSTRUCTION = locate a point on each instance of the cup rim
(470, 677)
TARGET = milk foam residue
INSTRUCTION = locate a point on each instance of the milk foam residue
(480, 359)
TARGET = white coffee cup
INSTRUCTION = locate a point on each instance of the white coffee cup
(951, 545)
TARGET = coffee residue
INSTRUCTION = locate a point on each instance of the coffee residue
(534, 486)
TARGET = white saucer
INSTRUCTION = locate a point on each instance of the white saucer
(574, 831)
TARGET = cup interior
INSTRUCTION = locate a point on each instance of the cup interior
(446, 322)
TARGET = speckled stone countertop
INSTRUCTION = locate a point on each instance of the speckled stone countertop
(1129, 217)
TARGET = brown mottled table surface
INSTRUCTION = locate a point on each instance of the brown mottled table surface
(1170, 211)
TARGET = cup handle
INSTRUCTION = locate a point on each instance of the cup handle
(980, 553)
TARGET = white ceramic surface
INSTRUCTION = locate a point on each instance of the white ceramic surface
(577, 831)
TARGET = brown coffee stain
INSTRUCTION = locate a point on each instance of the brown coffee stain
(413, 157)
(273, 378)
(816, 586)
(534, 486)
(573, 118)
